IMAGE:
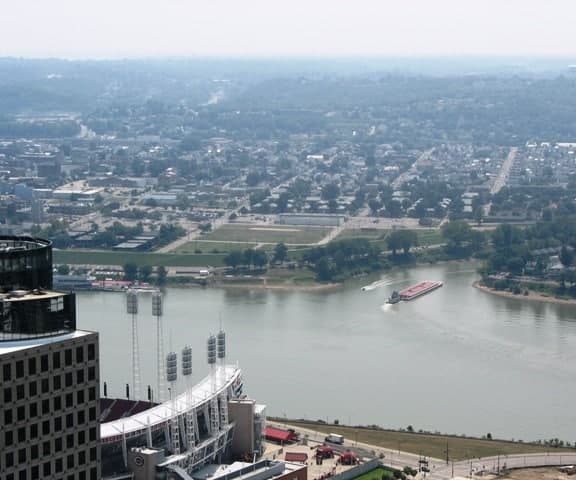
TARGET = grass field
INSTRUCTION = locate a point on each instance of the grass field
(88, 257)
(266, 234)
(426, 236)
(376, 474)
(213, 247)
(429, 445)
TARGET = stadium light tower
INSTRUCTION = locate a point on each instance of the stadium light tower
(132, 309)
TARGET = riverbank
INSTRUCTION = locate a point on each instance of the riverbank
(313, 287)
(531, 295)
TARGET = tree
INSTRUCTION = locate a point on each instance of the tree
(63, 269)
(161, 274)
(259, 258)
(280, 252)
(130, 271)
(330, 191)
(456, 233)
(145, 272)
(401, 239)
(234, 259)
(566, 257)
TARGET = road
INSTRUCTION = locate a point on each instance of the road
(502, 177)
(504, 171)
(439, 468)
(412, 171)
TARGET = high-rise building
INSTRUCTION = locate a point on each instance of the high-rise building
(49, 372)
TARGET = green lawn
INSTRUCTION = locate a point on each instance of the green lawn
(267, 234)
(429, 445)
(212, 247)
(376, 474)
(427, 236)
(89, 257)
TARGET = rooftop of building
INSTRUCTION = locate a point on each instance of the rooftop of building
(23, 344)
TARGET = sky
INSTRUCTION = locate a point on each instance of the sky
(274, 28)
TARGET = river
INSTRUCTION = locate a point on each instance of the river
(457, 360)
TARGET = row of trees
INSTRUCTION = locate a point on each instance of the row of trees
(143, 273)
(342, 256)
(255, 258)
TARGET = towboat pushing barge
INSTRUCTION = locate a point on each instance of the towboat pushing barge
(414, 291)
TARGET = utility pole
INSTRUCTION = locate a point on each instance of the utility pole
(447, 456)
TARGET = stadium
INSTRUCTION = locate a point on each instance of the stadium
(181, 435)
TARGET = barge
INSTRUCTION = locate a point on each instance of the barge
(419, 289)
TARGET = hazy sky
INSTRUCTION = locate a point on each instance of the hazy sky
(148, 28)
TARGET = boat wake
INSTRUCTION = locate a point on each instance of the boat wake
(376, 284)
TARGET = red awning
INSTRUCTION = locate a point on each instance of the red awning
(278, 435)
(296, 457)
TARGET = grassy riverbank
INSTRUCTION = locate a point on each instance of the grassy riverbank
(431, 445)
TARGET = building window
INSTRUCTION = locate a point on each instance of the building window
(91, 351)
(68, 357)
(33, 410)
(91, 373)
(35, 472)
(7, 372)
(46, 427)
(68, 379)
(92, 434)
(81, 417)
(44, 363)
(7, 395)
(47, 469)
(22, 475)
(57, 424)
(9, 460)
(70, 440)
(45, 385)
(58, 465)
(82, 458)
(32, 366)
(57, 382)
(80, 396)
(20, 392)
(70, 461)
(93, 454)
(79, 376)
(34, 452)
(58, 403)
(93, 473)
(8, 438)
(81, 437)
(45, 407)
(34, 431)
(82, 475)
(46, 448)
(79, 354)
(56, 360)
(92, 414)
(19, 368)
(69, 400)
(92, 394)
(7, 417)
(21, 413)
(22, 456)
(58, 444)
(32, 389)
(69, 420)
(22, 434)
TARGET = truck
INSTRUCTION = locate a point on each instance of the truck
(334, 438)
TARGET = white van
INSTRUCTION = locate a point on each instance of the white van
(335, 438)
